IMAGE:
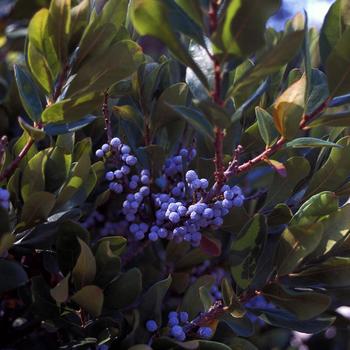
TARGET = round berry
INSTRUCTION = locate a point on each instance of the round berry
(130, 160)
(176, 331)
(105, 148)
(115, 142)
(151, 326)
(99, 153)
(205, 332)
(191, 175)
(125, 169)
(173, 321)
(183, 316)
(125, 149)
(110, 175)
(174, 217)
(153, 236)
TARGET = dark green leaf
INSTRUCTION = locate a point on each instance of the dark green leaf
(304, 305)
(155, 17)
(123, 291)
(334, 171)
(58, 26)
(35, 133)
(28, 93)
(303, 142)
(266, 126)
(99, 73)
(246, 250)
(196, 120)
(12, 275)
(191, 301)
(90, 298)
(241, 29)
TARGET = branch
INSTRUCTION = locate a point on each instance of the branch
(216, 95)
(107, 117)
(13, 166)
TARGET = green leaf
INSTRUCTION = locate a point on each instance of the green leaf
(281, 318)
(159, 18)
(303, 142)
(212, 345)
(12, 275)
(35, 133)
(90, 298)
(304, 305)
(100, 72)
(61, 291)
(53, 129)
(331, 30)
(33, 179)
(39, 68)
(37, 207)
(191, 301)
(240, 326)
(236, 309)
(338, 66)
(196, 119)
(152, 301)
(41, 51)
(270, 62)
(288, 109)
(84, 271)
(215, 114)
(67, 245)
(76, 181)
(193, 9)
(103, 30)
(246, 249)
(58, 26)
(124, 290)
(71, 109)
(334, 171)
(130, 114)
(163, 114)
(266, 126)
(28, 93)
(318, 91)
(296, 243)
(241, 29)
(334, 273)
(337, 119)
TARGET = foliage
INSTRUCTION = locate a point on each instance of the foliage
(173, 199)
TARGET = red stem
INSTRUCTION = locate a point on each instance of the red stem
(216, 95)
(13, 166)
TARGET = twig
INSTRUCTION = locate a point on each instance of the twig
(107, 117)
(216, 95)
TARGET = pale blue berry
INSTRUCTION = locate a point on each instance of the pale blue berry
(99, 153)
(205, 332)
(115, 142)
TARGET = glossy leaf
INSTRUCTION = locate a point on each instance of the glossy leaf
(241, 30)
(90, 298)
(288, 109)
(304, 305)
(155, 18)
(245, 251)
(28, 93)
(266, 126)
(84, 271)
(99, 73)
(334, 171)
(310, 142)
(125, 290)
(58, 25)
(196, 120)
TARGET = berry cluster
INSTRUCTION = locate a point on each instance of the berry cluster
(4, 198)
(180, 209)
(176, 323)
